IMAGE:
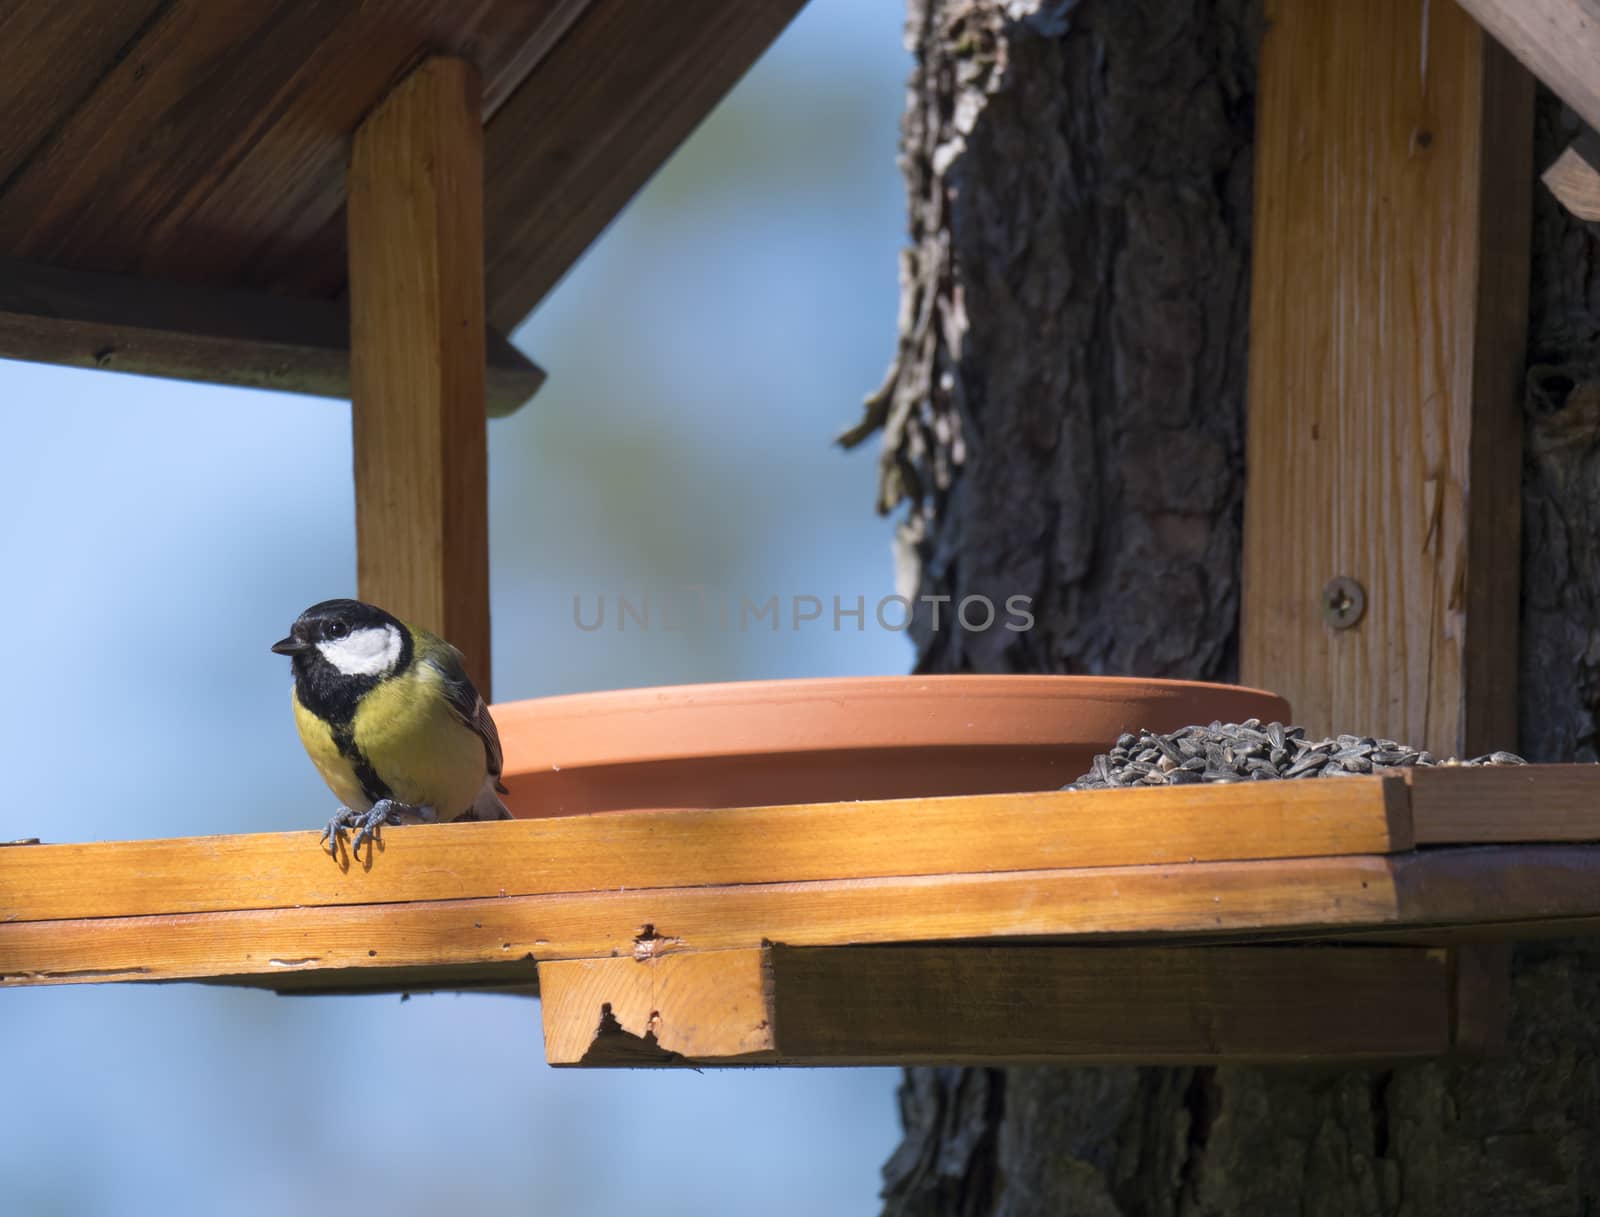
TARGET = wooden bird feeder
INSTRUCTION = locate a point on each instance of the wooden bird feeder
(362, 200)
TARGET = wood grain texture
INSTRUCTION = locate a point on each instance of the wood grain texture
(210, 147)
(1481, 980)
(1102, 1006)
(1456, 806)
(1434, 892)
(1557, 40)
(205, 142)
(54, 54)
(416, 366)
(1387, 323)
(1574, 177)
(695, 1007)
(1217, 897)
(838, 841)
(123, 324)
(606, 108)
(999, 1005)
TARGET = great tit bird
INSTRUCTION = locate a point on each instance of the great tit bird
(391, 722)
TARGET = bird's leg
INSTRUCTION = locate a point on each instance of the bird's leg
(385, 811)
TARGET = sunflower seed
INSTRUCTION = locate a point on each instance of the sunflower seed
(1251, 751)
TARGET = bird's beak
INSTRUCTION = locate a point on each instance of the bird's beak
(291, 646)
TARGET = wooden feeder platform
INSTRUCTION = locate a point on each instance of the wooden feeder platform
(1351, 919)
(363, 200)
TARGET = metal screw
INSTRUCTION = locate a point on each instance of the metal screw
(1343, 602)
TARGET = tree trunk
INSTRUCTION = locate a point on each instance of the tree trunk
(1065, 418)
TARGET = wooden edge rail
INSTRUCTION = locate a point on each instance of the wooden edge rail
(627, 850)
(1429, 893)
(958, 1005)
(119, 323)
(969, 835)
(1461, 805)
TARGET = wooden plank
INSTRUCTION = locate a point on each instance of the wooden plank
(1517, 803)
(211, 148)
(1388, 316)
(1574, 178)
(416, 366)
(1481, 979)
(977, 834)
(51, 55)
(607, 107)
(1109, 1005)
(1557, 40)
(249, 339)
(1023, 1005)
(200, 75)
(1429, 895)
(337, 942)
(713, 1007)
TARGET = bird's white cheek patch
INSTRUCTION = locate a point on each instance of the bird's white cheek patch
(368, 652)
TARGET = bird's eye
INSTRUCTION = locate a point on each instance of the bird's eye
(337, 629)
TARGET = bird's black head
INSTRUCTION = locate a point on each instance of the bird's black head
(342, 648)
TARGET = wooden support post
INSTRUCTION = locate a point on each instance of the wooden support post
(417, 358)
(1393, 162)
(1006, 1004)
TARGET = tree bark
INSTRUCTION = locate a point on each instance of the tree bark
(1064, 417)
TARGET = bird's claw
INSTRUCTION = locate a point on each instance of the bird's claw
(367, 824)
(345, 817)
(367, 829)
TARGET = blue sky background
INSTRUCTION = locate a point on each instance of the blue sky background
(157, 537)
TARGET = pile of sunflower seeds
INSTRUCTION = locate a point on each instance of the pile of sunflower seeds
(1249, 751)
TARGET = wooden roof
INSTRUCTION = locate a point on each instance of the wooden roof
(202, 144)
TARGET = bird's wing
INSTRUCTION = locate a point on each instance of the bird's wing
(469, 706)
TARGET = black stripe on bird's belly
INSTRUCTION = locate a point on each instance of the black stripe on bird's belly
(374, 787)
(333, 697)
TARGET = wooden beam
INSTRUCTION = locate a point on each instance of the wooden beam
(1088, 1005)
(1389, 300)
(1481, 979)
(605, 109)
(1021, 1005)
(1557, 40)
(118, 323)
(417, 371)
(835, 841)
(1431, 895)
(1574, 178)
(711, 1007)
(1452, 805)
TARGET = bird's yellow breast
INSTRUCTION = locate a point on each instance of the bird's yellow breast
(415, 743)
(418, 745)
(336, 769)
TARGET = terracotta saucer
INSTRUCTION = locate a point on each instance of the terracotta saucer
(836, 739)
